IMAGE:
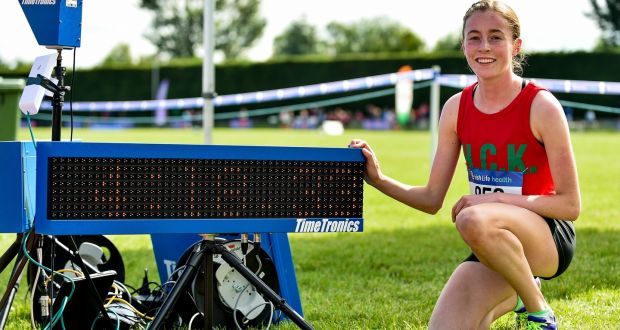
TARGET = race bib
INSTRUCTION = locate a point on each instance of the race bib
(486, 182)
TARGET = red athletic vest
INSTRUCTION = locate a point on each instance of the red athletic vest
(504, 141)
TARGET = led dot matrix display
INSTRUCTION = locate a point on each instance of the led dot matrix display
(166, 188)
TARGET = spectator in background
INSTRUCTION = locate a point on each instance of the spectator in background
(590, 119)
(421, 115)
(375, 119)
(286, 118)
(340, 115)
(242, 121)
(187, 117)
(305, 120)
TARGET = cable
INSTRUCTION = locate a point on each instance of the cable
(34, 286)
(237, 303)
(135, 318)
(118, 320)
(124, 288)
(65, 300)
(271, 309)
(51, 288)
(30, 129)
(130, 307)
(189, 326)
(260, 266)
(47, 280)
(71, 270)
(133, 290)
(270, 313)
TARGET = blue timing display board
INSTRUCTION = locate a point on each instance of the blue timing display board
(54, 23)
(122, 188)
(17, 194)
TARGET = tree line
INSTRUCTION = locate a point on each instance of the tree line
(176, 32)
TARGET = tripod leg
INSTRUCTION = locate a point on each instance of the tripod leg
(191, 268)
(10, 253)
(234, 262)
(94, 296)
(4, 313)
(9, 295)
(208, 298)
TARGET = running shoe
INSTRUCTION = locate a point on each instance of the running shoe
(521, 318)
(521, 314)
(548, 322)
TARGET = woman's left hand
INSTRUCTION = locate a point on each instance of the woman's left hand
(471, 200)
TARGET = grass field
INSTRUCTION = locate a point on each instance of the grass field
(390, 276)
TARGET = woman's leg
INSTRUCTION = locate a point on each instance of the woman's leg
(513, 241)
(513, 244)
(473, 298)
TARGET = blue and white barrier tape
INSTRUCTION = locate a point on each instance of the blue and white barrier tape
(553, 85)
(341, 86)
(449, 80)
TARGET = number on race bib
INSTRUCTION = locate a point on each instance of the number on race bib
(487, 190)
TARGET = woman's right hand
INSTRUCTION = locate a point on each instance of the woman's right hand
(372, 174)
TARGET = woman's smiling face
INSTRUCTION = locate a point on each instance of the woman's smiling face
(488, 44)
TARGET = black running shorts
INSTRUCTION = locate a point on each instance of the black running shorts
(563, 233)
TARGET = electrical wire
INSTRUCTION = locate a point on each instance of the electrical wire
(260, 266)
(71, 270)
(65, 270)
(135, 318)
(34, 286)
(120, 303)
(47, 280)
(189, 326)
(133, 309)
(124, 287)
(271, 310)
(118, 320)
(34, 141)
(65, 299)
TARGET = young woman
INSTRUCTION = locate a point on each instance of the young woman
(522, 176)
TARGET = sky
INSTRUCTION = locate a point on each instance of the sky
(547, 25)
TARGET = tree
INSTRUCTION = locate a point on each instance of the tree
(120, 54)
(178, 25)
(299, 38)
(238, 26)
(375, 35)
(607, 17)
(448, 43)
(3, 65)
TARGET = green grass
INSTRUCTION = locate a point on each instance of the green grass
(390, 276)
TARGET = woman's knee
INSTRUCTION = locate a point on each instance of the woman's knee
(473, 223)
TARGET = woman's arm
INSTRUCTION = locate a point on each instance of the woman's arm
(427, 198)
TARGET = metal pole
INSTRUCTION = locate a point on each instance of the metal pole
(208, 72)
(434, 111)
(58, 99)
